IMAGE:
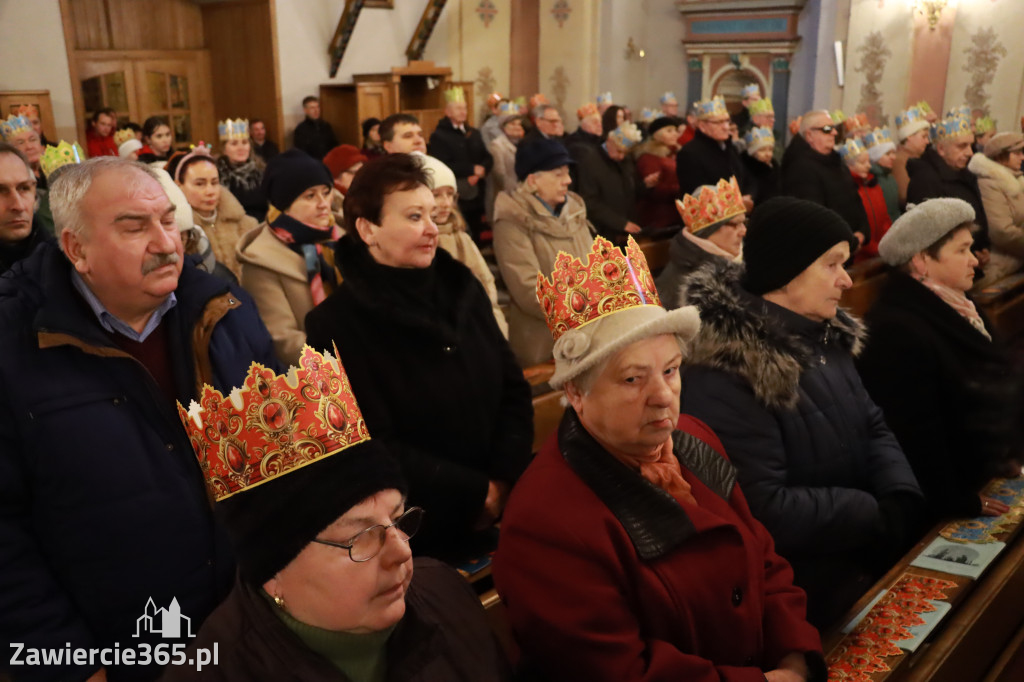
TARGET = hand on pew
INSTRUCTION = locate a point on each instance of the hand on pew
(497, 496)
(992, 507)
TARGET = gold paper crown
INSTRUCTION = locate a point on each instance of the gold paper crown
(761, 106)
(626, 135)
(712, 205)
(758, 138)
(14, 125)
(878, 136)
(856, 122)
(924, 107)
(851, 149)
(711, 107)
(273, 424)
(454, 94)
(233, 129)
(956, 126)
(122, 136)
(604, 98)
(28, 111)
(537, 99)
(984, 124)
(751, 90)
(588, 109)
(579, 292)
(61, 155)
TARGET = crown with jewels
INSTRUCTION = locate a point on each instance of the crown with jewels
(626, 135)
(668, 97)
(712, 205)
(851, 149)
(236, 129)
(963, 110)
(878, 136)
(14, 125)
(954, 126)
(984, 124)
(607, 281)
(708, 108)
(455, 94)
(588, 109)
(61, 155)
(759, 138)
(604, 98)
(648, 115)
(122, 136)
(751, 90)
(761, 106)
(508, 109)
(924, 107)
(273, 424)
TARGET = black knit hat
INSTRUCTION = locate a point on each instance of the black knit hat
(662, 122)
(368, 126)
(784, 236)
(291, 173)
(270, 524)
(540, 154)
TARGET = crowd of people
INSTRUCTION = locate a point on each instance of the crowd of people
(739, 459)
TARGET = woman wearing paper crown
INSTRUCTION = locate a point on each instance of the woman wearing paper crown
(716, 222)
(436, 378)
(241, 171)
(316, 512)
(627, 550)
(858, 161)
(763, 168)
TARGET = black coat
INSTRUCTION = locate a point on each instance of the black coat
(460, 152)
(931, 178)
(765, 179)
(818, 465)
(949, 394)
(102, 502)
(267, 150)
(825, 180)
(684, 257)
(12, 253)
(703, 161)
(436, 381)
(315, 137)
(608, 188)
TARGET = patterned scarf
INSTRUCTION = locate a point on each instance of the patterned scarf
(959, 302)
(663, 470)
(309, 242)
(246, 175)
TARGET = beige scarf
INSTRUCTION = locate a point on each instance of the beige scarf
(959, 302)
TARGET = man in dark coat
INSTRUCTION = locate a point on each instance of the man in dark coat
(608, 183)
(261, 146)
(461, 147)
(20, 230)
(102, 502)
(813, 170)
(710, 156)
(547, 123)
(314, 135)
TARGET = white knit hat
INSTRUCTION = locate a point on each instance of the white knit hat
(921, 226)
(127, 147)
(439, 174)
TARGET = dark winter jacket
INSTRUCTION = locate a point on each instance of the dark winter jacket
(819, 466)
(931, 177)
(825, 180)
(102, 502)
(436, 380)
(608, 187)
(685, 256)
(11, 253)
(704, 161)
(443, 637)
(765, 179)
(315, 137)
(950, 395)
(461, 151)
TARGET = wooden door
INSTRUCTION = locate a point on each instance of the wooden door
(374, 100)
(108, 83)
(171, 89)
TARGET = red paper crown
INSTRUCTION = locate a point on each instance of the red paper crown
(856, 122)
(581, 292)
(713, 204)
(273, 424)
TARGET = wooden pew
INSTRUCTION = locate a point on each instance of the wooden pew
(656, 253)
(547, 404)
(1003, 304)
(868, 277)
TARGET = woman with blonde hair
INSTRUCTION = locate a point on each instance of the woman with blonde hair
(241, 171)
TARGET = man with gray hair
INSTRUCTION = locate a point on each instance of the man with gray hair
(20, 230)
(104, 517)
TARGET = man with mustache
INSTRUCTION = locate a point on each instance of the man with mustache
(102, 502)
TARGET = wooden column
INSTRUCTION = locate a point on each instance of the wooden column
(524, 78)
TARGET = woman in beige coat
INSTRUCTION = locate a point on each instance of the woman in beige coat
(1002, 194)
(531, 225)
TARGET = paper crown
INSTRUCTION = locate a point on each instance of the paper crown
(962, 110)
(588, 109)
(707, 108)
(454, 94)
(984, 124)
(851, 149)
(761, 106)
(61, 155)
(122, 136)
(668, 97)
(508, 109)
(494, 98)
(237, 129)
(537, 99)
(856, 122)
(273, 424)
(955, 126)
(838, 116)
(924, 107)
(14, 125)
(520, 102)
(877, 136)
(712, 205)
(751, 90)
(604, 98)
(649, 115)
(608, 281)
(626, 135)
(28, 110)
(794, 125)
(759, 138)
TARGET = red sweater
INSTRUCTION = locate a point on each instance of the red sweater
(100, 146)
(873, 198)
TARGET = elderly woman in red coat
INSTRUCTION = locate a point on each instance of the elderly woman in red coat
(627, 549)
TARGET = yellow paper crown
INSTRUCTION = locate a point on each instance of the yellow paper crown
(712, 205)
(984, 124)
(273, 424)
(761, 106)
(61, 155)
(454, 94)
(122, 136)
(236, 129)
(14, 125)
(606, 282)
(710, 108)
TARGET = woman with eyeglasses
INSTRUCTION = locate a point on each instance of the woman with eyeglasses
(327, 588)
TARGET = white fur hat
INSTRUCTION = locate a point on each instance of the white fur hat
(127, 147)
(921, 226)
(439, 174)
(182, 211)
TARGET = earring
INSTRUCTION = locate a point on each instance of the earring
(279, 601)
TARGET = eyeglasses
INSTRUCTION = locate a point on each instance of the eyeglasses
(367, 543)
(718, 121)
(828, 130)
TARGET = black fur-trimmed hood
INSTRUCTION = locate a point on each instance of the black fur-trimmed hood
(768, 346)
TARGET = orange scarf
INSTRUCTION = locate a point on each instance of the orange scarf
(663, 470)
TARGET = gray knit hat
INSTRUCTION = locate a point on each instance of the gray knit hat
(921, 226)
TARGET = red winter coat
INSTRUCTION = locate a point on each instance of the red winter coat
(100, 146)
(656, 206)
(606, 577)
(873, 198)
